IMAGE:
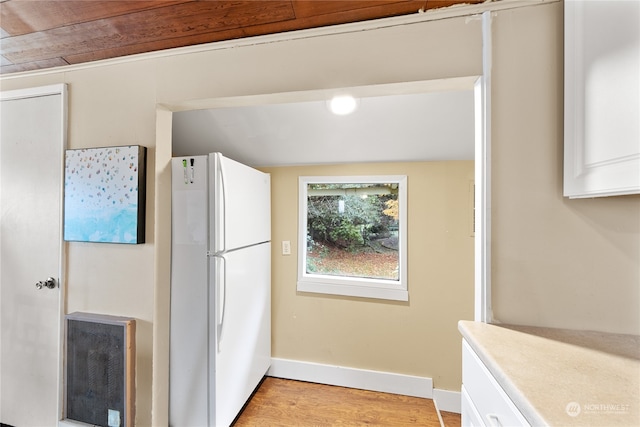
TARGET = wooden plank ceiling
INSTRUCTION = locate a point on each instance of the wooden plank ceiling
(45, 34)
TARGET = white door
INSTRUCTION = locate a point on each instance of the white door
(32, 138)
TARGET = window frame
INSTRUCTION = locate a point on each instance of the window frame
(396, 290)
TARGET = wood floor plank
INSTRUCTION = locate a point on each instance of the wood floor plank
(280, 402)
(451, 419)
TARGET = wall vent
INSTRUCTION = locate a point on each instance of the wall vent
(100, 370)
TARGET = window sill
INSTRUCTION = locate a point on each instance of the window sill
(364, 290)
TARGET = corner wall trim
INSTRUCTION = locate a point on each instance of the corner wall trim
(448, 401)
(386, 382)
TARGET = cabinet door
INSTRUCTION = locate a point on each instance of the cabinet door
(602, 98)
(494, 407)
(470, 416)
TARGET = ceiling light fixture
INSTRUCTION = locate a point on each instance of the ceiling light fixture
(343, 105)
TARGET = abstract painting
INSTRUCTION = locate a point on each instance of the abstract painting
(104, 194)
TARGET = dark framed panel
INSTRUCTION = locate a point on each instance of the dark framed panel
(100, 370)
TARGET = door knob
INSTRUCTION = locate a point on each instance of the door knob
(49, 283)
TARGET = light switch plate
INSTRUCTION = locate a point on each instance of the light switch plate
(286, 247)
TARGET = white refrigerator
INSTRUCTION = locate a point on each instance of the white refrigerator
(220, 327)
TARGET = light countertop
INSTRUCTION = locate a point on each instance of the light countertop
(562, 377)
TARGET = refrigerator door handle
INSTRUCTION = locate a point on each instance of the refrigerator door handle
(220, 194)
(222, 297)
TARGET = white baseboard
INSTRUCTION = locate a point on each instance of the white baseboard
(386, 382)
(448, 401)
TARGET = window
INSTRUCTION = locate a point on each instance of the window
(352, 236)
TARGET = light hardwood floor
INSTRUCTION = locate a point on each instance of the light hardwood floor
(280, 402)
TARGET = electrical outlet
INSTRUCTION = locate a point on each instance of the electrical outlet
(286, 247)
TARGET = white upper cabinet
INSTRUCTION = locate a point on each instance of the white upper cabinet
(601, 98)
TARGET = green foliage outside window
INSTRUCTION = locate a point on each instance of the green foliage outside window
(350, 221)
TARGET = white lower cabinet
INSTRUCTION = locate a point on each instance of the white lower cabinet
(484, 402)
(470, 415)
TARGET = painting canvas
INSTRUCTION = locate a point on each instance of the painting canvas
(104, 194)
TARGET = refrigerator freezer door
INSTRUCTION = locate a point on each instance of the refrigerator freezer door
(241, 204)
(242, 342)
(188, 356)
